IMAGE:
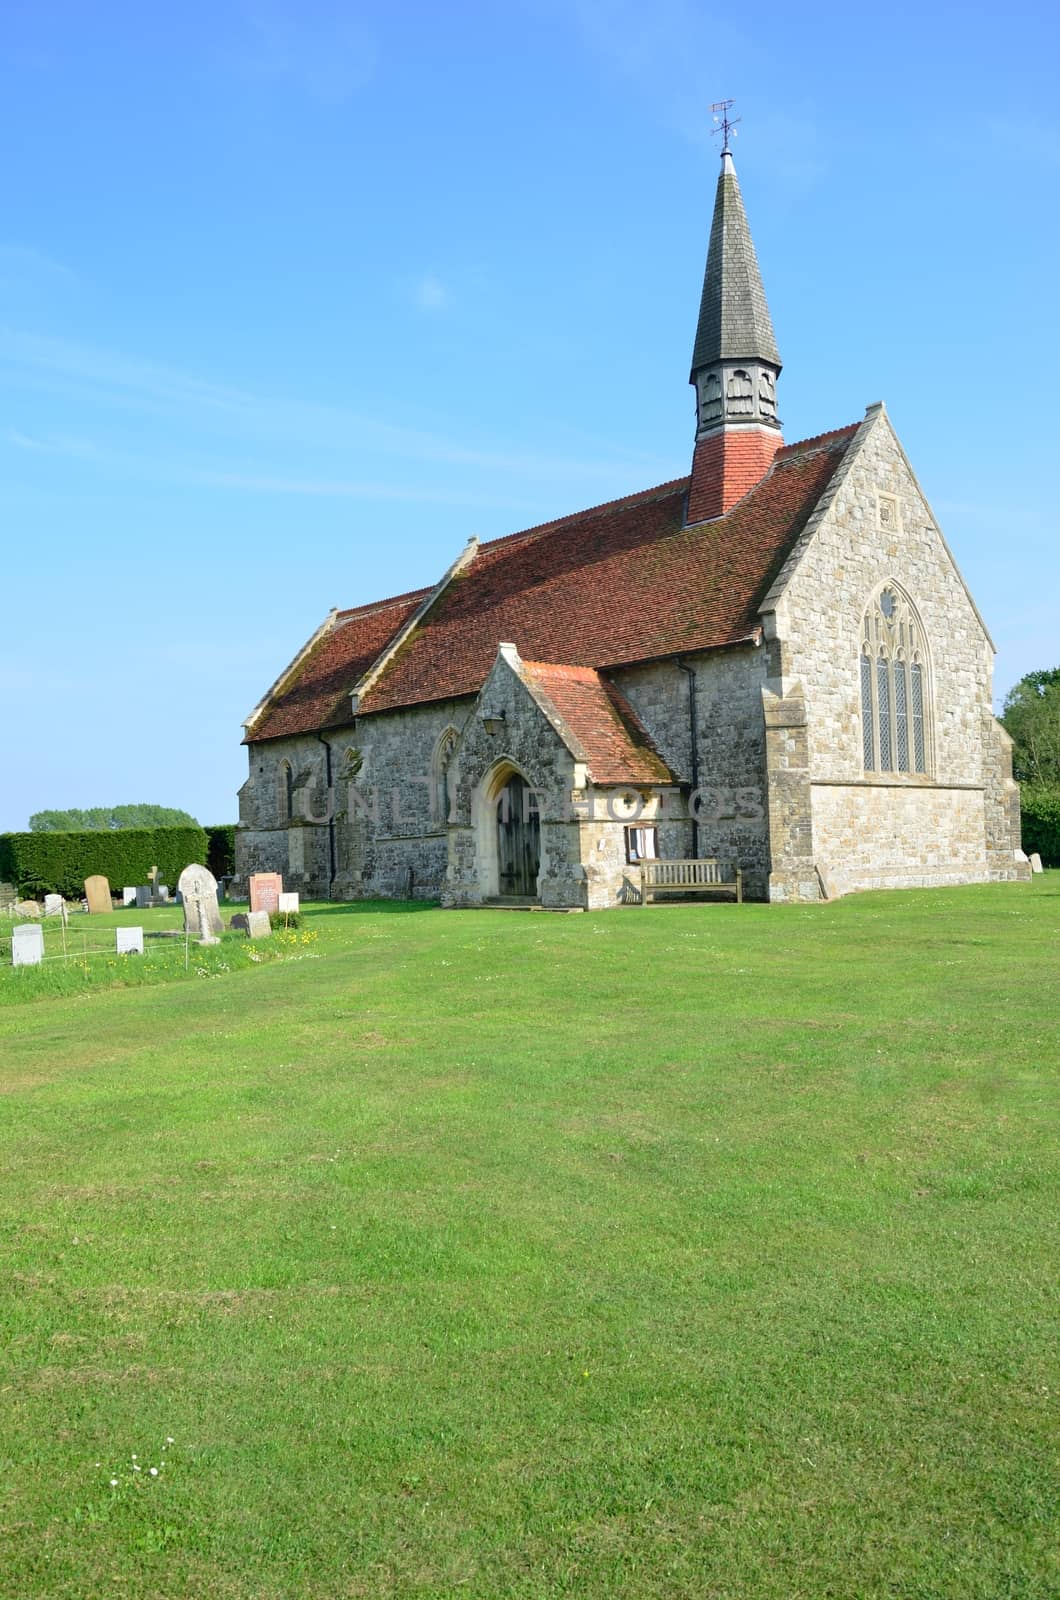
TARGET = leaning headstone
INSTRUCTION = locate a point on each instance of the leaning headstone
(258, 924)
(239, 923)
(1036, 862)
(27, 945)
(129, 941)
(27, 908)
(289, 901)
(128, 896)
(97, 893)
(53, 905)
(198, 888)
(265, 891)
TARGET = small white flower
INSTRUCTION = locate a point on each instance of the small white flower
(168, 1439)
(136, 1469)
(134, 1455)
(154, 1472)
(114, 1483)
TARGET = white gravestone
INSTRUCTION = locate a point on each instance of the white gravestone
(1036, 862)
(289, 901)
(258, 925)
(129, 941)
(198, 889)
(163, 893)
(53, 905)
(27, 945)
(128, 896)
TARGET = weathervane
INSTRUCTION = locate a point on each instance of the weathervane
(724, 124)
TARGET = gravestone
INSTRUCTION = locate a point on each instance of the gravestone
(198, 889)
(143, 896)
(1036, 862)
(289, 901)
(53, 905)
(152, 878)
(265, 891)
(239, 923)
(129, 941)
(258, 924)
(128, 896)
(163, 893)
(27, 945)
(27, 908)
(97, 893)
(8, 896)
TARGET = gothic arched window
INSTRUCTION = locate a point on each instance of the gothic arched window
(739, 394)
(711, 411)
(286, 787)
(441, 796)
(895, 710)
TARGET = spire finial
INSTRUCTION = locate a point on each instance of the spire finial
(723, 123)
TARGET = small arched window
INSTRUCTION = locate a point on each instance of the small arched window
(739, 395)
(711, 405)
(286, 787)
(441, 796)
(895, 720)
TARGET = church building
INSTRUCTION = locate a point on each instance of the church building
(773, 661)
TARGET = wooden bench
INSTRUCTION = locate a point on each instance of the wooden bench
(701, 877)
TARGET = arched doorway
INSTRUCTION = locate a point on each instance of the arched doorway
(518, 839)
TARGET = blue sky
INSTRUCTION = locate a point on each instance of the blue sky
(293, 299)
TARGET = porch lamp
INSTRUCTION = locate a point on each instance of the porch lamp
(493, 722)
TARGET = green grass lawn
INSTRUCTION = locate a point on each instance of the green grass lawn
(698, 1252)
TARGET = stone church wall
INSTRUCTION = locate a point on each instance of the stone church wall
(874, 830)
(732, 812)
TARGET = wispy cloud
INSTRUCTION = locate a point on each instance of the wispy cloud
(174, 468)
(106, 377)
(640, 44)
(23, 266)
(430, 293)
(328, 57)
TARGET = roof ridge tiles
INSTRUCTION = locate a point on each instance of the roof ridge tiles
(645, 496)
(816, 440)
(380, 605)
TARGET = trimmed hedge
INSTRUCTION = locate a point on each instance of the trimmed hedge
(1040, 822)
(59, 863)
(221, 849)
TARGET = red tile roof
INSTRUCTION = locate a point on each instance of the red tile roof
(624, 582)
(620, 583)
(598, 723)
(319, 694)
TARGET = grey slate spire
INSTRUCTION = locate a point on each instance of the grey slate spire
(735, 361)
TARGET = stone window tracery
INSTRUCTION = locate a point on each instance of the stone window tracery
(895, 729)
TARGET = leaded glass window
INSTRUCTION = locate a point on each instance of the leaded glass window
(868, 720)
(883, 703)
(895, 727)
(918, 716)
(901, 717)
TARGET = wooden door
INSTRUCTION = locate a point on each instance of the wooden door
(518, 839)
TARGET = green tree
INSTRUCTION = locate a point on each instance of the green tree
(1032, 718)
(97, 819)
